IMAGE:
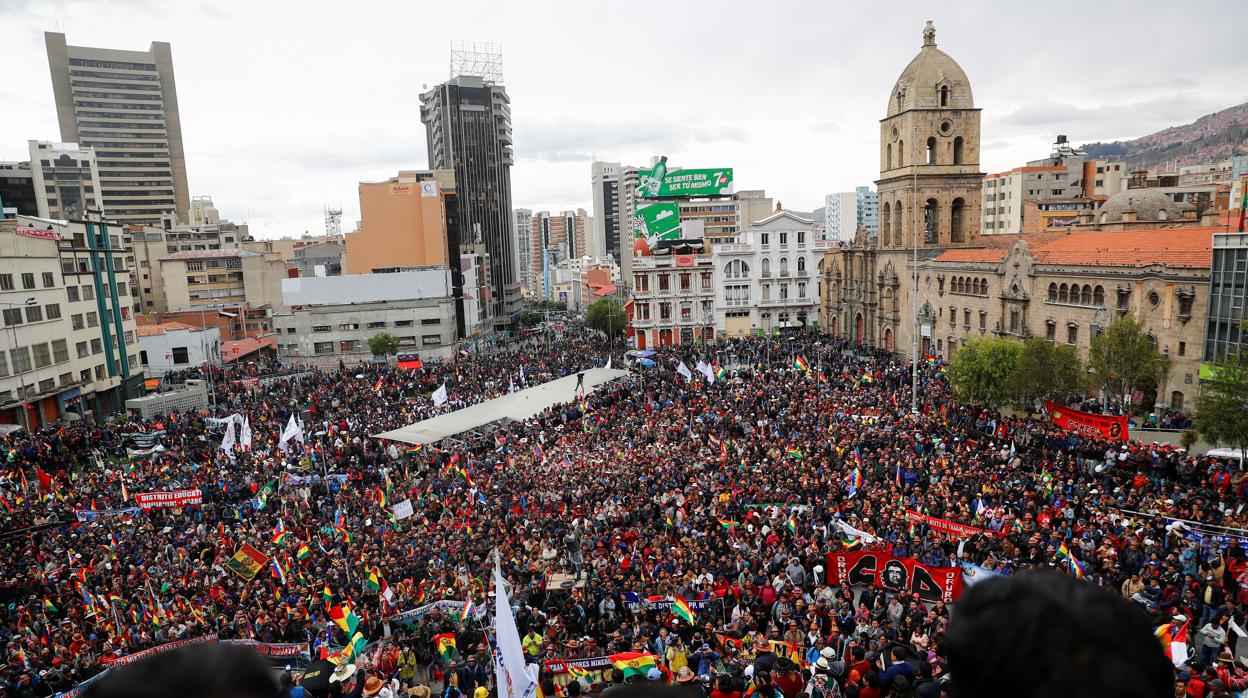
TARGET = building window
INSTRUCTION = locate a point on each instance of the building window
(766, 265)
(944, 95)
(53, 311)
(12, 316)
(931, 150)
(97, 346)
(349, 345)
(403, 323)
(6, 282)
(664, 282)
(407, 341)
(83, 351)
(320, 328)
(60, 351)
(983, 320)
(76, 321)
(28, 280)
(34, 313)
(431, 340)
(323, 347)
(371, 326)
(93, 320)
(953, 315)
(181, 356)
(43, 355)
(784, 239)
(801, 266)
(20, 359)
(49, 280)
(966, 317)
(1182, 348)
(1050, 330)
(801, 290)
(764, 239)
(685, 283)
(957, 150)
(430, 321)
(349, 326)
(88, 292)
(1072, 334)
(665, 311)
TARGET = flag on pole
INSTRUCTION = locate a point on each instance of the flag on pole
(445, 643)
(439, 396)
(515, 677)
(684, 371)
(681, 609)
(1174, 640)
(229, 440)
(245, 435)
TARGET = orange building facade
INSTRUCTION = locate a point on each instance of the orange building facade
(403, 223)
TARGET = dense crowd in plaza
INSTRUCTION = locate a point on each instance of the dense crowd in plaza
(726, 493)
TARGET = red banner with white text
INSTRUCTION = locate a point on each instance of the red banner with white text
(155, 500)
(1108, 426)
(882, 570)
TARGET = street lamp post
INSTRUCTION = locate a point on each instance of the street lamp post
(21, 373)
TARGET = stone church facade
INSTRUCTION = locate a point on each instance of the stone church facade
(1063, 286)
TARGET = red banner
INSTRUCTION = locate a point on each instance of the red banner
(1105, 425)
(156, 500)
(950, 528)
(879, 569)
(41, 233)
(409, 361)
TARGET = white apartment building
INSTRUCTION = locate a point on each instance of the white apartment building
(69, 334)
(673, 295)
(840, 216)
(606, 234)
(521, 219)
(333, 317)
(174, 346)
(769, 279)
(66, 179)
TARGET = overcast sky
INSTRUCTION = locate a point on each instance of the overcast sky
(286, 106)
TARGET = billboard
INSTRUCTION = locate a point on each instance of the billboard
(656, 222)
(658, 183)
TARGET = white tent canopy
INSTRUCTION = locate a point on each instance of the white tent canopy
(516, 406)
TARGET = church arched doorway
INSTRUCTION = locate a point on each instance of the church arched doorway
(888, 340)
(859, 326)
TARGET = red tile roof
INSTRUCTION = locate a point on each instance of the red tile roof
(1176, 247)
(149, 330)
(1187, 246)
(236, 349)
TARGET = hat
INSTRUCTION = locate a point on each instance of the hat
(342, 673)
(372, 686)
(822, 664)
(419, 692)
(827, 653)
(654, 675)
(685, 675)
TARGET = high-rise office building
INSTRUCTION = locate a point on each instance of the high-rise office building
(468, 125)
(68, 180)
(521, 218)
(605, 177)
(553, 238)
(124, 104)
(868, 210)
(841, 216)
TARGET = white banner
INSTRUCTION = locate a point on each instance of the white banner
(402, 510)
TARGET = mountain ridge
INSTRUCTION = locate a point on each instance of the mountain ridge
(1210, 138)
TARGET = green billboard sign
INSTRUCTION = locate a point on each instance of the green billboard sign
(654, 222)
(658, 183)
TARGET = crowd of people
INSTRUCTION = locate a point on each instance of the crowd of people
(726, 490)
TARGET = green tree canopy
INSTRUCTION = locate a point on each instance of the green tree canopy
(1222, 406)
(383, 344)
(606, 316)
(1123, 360)
(981, 371)
(1046, 371)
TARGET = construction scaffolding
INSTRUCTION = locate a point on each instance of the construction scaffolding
(480, 58)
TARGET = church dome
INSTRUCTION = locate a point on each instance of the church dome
(1149, 206)
(933, 80)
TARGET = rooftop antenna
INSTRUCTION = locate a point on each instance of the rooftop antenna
(479, 58)
(333, 221)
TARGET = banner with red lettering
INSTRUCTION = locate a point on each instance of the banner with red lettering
(178, 499)
(1106, 425)
(881, 570)
(950, 528)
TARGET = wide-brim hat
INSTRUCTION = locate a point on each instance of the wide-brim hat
(342, 673)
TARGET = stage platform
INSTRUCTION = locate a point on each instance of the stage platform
(517, 406)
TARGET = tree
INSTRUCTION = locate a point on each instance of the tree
(981, 370)
(383, 344)
(1124, 360)
(606, 316)
(1222, 406)
(1046, 371)
(529, 318)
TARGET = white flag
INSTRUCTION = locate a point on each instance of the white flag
(299, 432)
(707, 371)
(521, 373)
(608, 366)
(515, 679)
(511, 385)
(245, 434)
(683, 370)
(288, 433)
(228, 442)
(439, 396)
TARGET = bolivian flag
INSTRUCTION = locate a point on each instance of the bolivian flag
(680, 609)
(800, 363)
(303, 553)
(345, 618)
(633, 663)
(794, 453)
(731, 526)
(374, 580)
(445, 643)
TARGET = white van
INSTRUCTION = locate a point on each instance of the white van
(1231, 454)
